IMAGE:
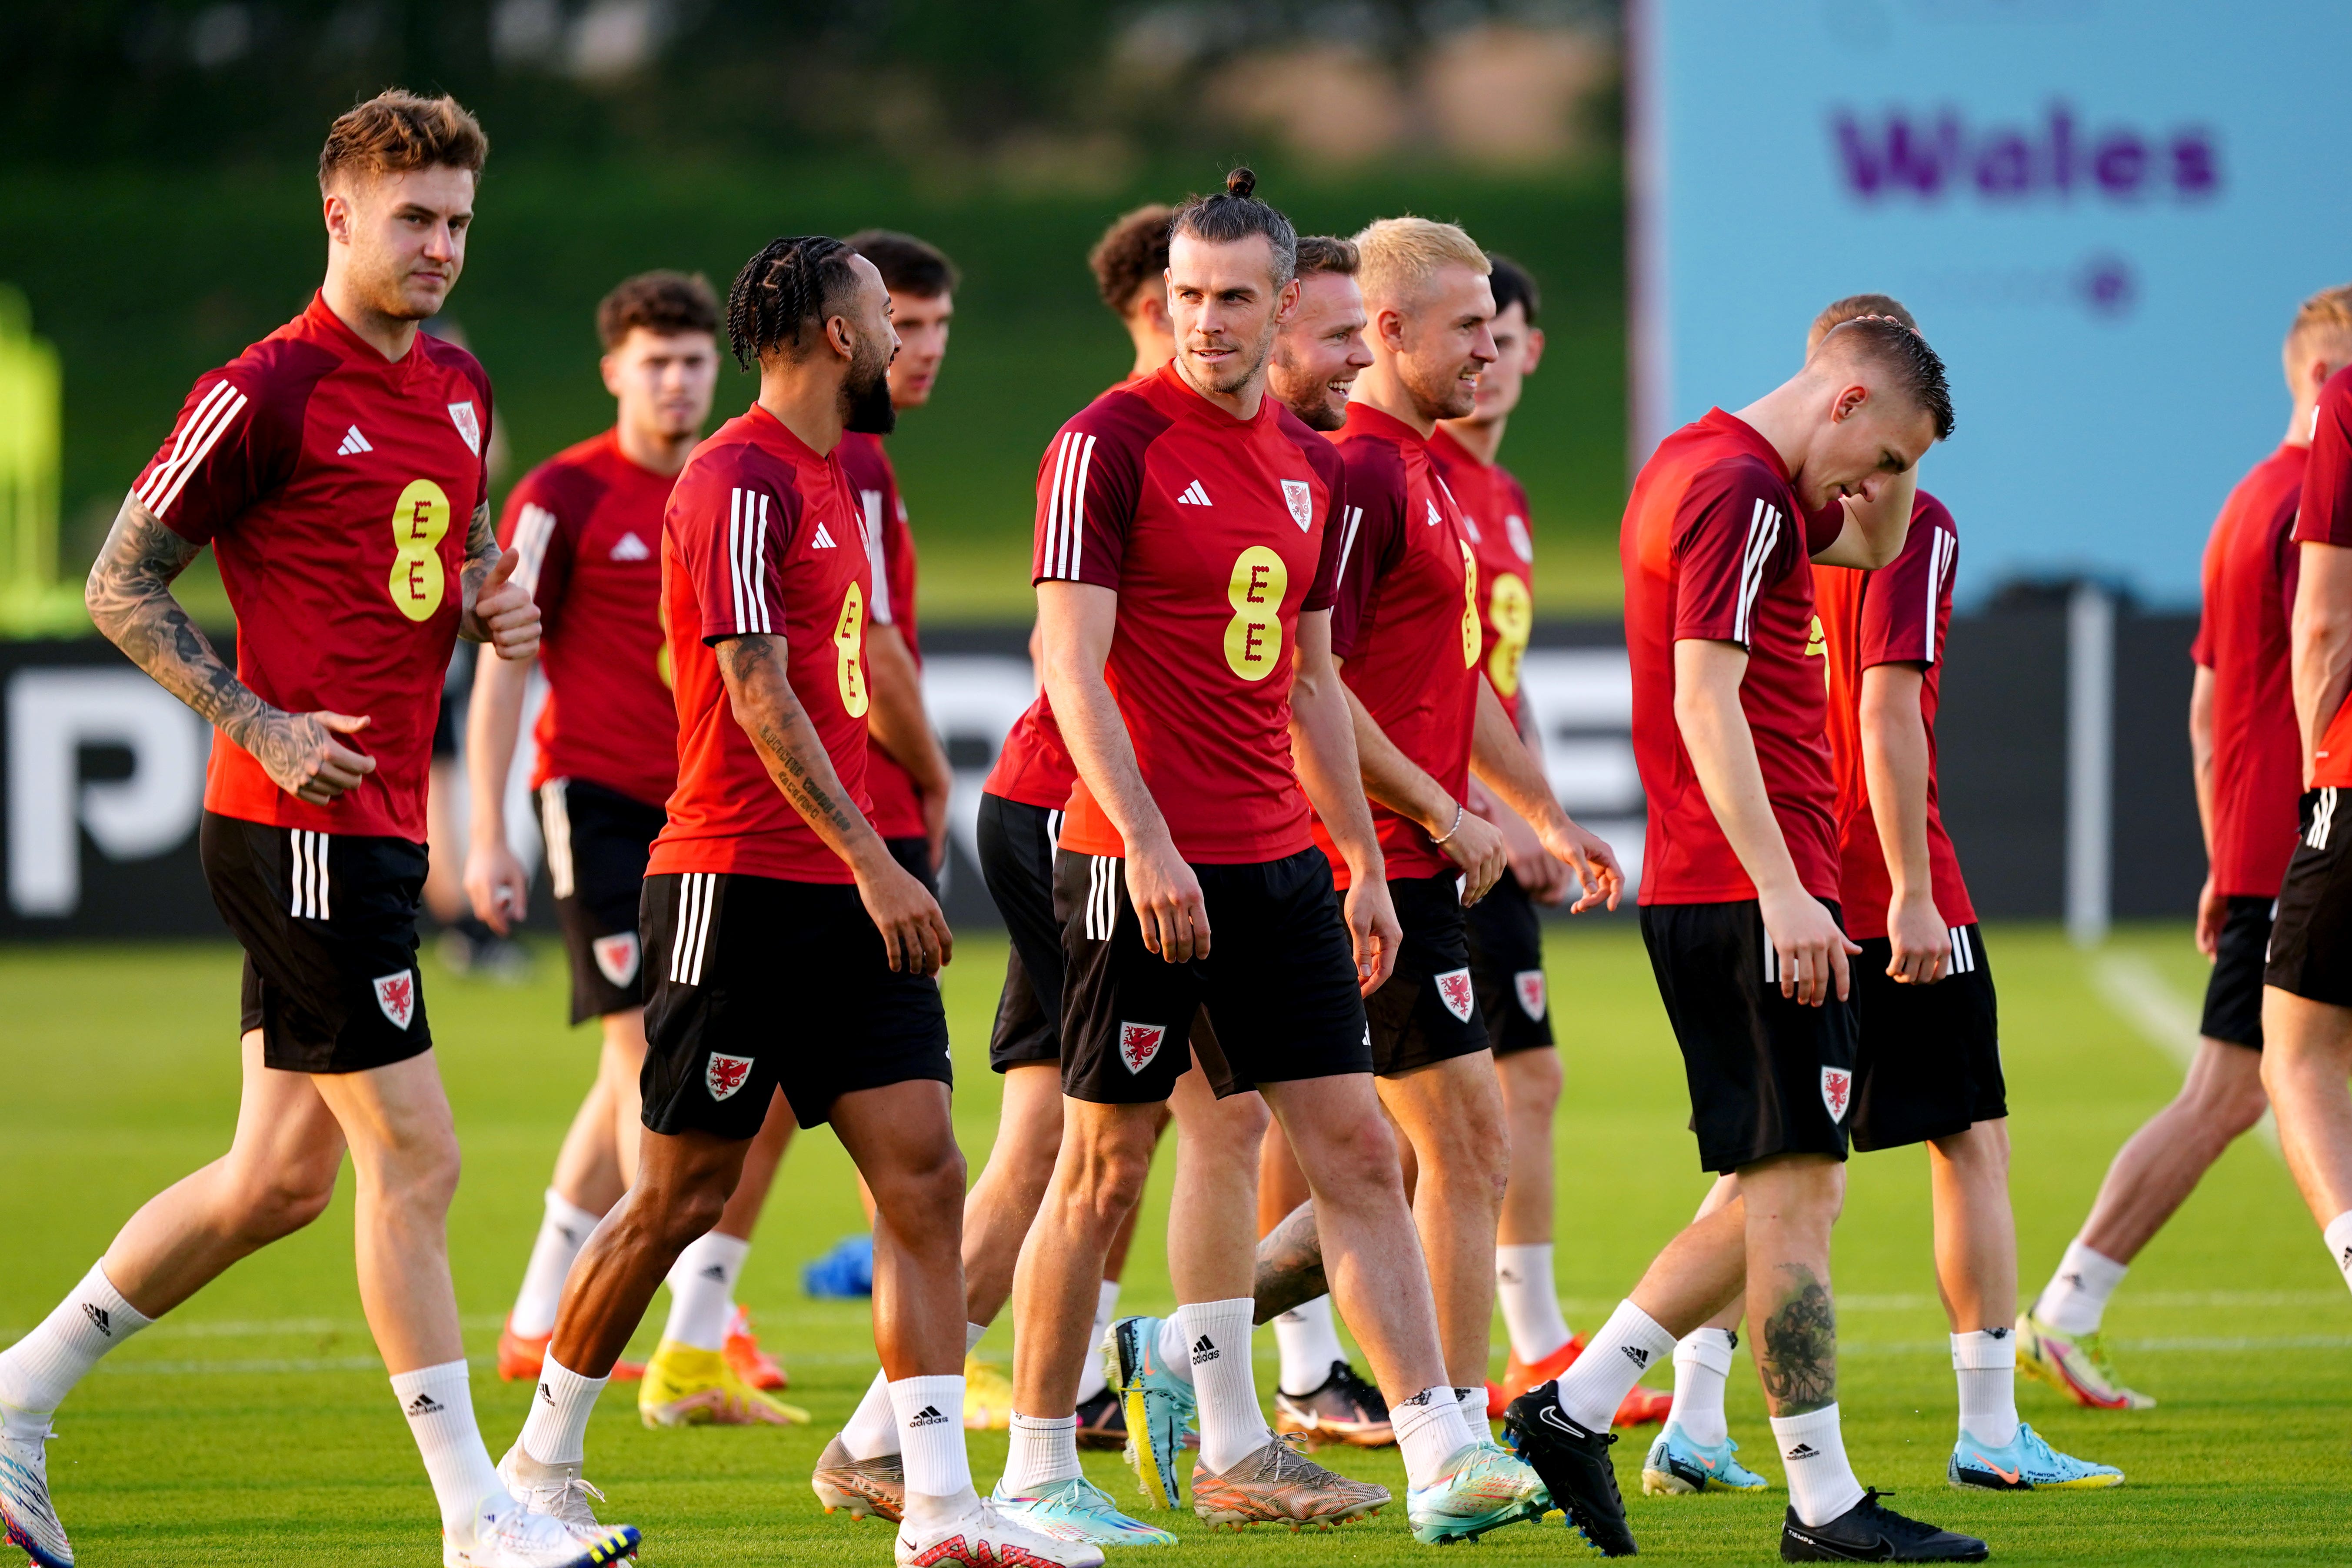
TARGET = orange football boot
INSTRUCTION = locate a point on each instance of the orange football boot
(1642, 1407)
(520, 1357)
(753, 1364)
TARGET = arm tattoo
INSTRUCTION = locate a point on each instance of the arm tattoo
(1289, 1266)
(481, 554)
(1799, 1363)
(771, 714)
(130, 599)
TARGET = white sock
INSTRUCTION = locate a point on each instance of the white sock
(556, 1432)
(1530, 1302)
(1628, 1345)
(2076, 1296)
(38, 1370)
(1232, 1426)
(1820, 1483)
(930, 1437)
(1090, 1374)
(1473, 1410)
(873, 1427)
(1702, 1363)
(1174, 1350)
(702, 1290)
(1309, 1342)
(2339, 1243)
(1985, 1361)
(1045, 1450)
(1429, 1430)
(562, 1232)
(440, 1411)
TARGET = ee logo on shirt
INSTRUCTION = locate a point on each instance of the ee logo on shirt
(1469, 608)
(848, 641)
(1514, 616)
(1254, 636)
(420, 521)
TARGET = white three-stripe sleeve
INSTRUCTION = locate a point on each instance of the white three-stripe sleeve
(1088, 490)
(213, 417)
(534, 530)
(1763, 536)
(1941, 546)
(748, 552)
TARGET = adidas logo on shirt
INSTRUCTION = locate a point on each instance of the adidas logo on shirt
(1203, 1351)
(630, 547)
(1802, 1451)
(1637, 1355)
(928, 1415)
(824, 539)
(99, 1318)
(353, 444)
(423, 1405)
(1432, 518)
(1193, 495)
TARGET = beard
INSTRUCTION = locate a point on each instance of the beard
(1443, 397)
(1236, 373)
(866, 401)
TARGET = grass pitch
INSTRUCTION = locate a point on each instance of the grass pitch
(254, 1426)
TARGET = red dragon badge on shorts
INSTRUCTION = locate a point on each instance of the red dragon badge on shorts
(1139, 1043)
(725, 1075)
(397, 994)
(1453, 989)
(1529, 984)
(1837, 1091)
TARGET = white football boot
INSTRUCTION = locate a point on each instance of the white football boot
(986, 1536)
(27, 1521)
(518, 1537)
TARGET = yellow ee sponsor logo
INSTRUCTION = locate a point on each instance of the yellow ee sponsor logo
(1469, 608)
(848, 642)
(1512, 611)
(1254, 636)
(420, 521)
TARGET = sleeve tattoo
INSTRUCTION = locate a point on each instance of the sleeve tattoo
(753, 664)
(1289, 1266)
(481, 554)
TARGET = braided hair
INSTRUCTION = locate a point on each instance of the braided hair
(1236, 212)
(788, 285)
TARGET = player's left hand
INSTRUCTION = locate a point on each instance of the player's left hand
(1373, 928)
(914, 932)
(2213, 909)
(503, 615)
(1595, 865)
(934, 807)
(1922, 943)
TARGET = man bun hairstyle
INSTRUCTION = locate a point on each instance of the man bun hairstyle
(397, 131)
(790, 284)
(1236, 212)
(1402, 256)
(1131, 255)
(1513, 285)
(1327, 253)
(908, 266)
(1892, 343)
(664, 303)
(2327, 316)
(1837, 312)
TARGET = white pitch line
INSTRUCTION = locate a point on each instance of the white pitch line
(2130, 984)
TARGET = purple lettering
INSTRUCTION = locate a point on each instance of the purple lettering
(1932, 155)
(2005, 166)
(2120, 164)
(2061, 148)
(2195, 171)
(1904, 156)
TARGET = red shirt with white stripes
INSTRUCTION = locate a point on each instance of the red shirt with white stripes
(336, 488)
(1406, 622)
(890, 550)
(761, 537)
(2326, 519)
(1494, 514)
(1216, 533)
(2251, 568)
(1714, 549)
(588, 522)
(1895, 614)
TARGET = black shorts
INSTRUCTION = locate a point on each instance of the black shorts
(2234, 994)
(328, 928)
(1016, 861)
(758, 984)
(1929, 1063)
(913, 855)
(1278, 985)
(1428, 1011)
(597, 840)
(2311, 935)
(1507, 968)
(1767, 1074)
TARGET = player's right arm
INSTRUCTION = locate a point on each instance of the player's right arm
(496, 882)
(2210, 907)
(1396, 782)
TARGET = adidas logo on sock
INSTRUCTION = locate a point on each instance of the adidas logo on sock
(99, 1318)
(1204, 1351)
(1733, 1335)
(423, 1405)
(716, 1271)
(1637, 1355)
(571, 1237)
(1507, 1276)
(544, 1393)
(2347, 1263)
(928, 1415)
(1802, 1451)
(2071, 1281)
(2000, 1334)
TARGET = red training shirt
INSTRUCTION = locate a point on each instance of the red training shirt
(336, 488)
(1406, 622)
(2242, 637)
(2326, 519)
(1216, 532)
(1895, 614)
(588, 522)
(1494, 514)
(760, 536)
(890, 551)
(1713, 547)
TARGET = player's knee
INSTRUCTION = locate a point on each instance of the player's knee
(1532, 1082)
(1357, 1163)
(1108, 1171)
(281, 1201)
(925, 1192)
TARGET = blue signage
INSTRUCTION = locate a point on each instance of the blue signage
(2103, 211)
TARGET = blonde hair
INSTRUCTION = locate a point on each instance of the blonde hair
(1399, 257)
(2326, 314)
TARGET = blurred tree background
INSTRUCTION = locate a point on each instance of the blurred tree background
(158, 213)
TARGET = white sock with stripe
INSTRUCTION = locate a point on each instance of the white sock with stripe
(1985, 1364)
(702, 1290)
(1232, 1424)
(556, 1431)
(1530, 1302)
(1820, 1480)
(440, 1409)
(2338, 1236)
(1629, 1344)
(1309, 1341)
(930, 1437)
(1090, 1378)
(562, 1232)
(1702, 1366)
(2075, 1300)
(38, 1370)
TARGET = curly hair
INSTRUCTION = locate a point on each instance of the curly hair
(664, 303)
(397, 131)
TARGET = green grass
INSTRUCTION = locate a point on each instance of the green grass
(254, 1427)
